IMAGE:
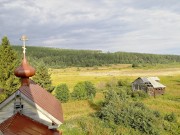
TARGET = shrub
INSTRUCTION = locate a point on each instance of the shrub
(84, 90)
(62, 92)
(134, 65)
(79, 91)
(123, 83)
(91, 90)
(171, 127)
(139, 94)
(157, 114)
(170, 117)
(129, 114)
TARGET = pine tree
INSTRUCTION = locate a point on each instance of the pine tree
(8, 62)
(43, 78)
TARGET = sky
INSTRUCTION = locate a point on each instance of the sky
(145, 26)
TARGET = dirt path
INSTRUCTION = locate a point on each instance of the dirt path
(133, 72)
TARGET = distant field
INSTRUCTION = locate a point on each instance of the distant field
(72, 76)
(170, 76)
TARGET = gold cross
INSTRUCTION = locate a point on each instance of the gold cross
(24, 39)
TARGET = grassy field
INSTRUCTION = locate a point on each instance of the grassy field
(167, 103)
(98, 75)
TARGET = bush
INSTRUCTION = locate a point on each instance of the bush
(134, 65)
(171, 127)
(62, 92)
(170, 117)
(84, 90)
(123, 83)
(129, 114)
(91, 90)
(139, 94)
(157, 114)
(79, 91)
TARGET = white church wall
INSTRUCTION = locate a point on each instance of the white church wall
(32, 112)
(7, 111)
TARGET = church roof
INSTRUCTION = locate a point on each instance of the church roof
(20, 124)
(44, 99)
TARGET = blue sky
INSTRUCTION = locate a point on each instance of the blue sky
(145, 26)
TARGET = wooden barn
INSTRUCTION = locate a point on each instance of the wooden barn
(150, 85)
(31, 109)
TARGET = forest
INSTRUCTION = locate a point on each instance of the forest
(60, 58)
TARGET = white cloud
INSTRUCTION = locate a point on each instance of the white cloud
(150, 26)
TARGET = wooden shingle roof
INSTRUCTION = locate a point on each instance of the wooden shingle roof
(20, 124)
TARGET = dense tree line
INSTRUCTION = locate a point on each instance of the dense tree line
(56, 58)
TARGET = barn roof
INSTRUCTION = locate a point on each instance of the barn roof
(44, 99)
(20, 124)
(144, 79)
(155, 83)
(153, 80)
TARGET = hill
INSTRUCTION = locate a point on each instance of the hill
(58, 58)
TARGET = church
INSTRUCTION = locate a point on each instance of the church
(30, 110)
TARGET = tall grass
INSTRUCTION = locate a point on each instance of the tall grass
(75, 110)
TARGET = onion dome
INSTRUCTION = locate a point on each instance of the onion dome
(24, 70)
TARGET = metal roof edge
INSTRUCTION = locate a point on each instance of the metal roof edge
(7, 100)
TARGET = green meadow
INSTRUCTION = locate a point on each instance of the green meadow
(74, 110)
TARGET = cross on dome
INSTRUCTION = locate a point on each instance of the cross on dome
(24, 71)
(24, 39)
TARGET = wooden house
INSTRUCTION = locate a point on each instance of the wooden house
(150, 85)
(31, 109)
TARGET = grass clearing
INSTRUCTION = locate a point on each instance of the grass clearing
(167, 103)
(75, 109)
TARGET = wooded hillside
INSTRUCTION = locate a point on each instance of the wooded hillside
(56, 58)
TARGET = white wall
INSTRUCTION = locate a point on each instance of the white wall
(32, 112)
(7, 111)
(30, 109)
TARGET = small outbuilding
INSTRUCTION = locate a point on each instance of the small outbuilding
(151, 85)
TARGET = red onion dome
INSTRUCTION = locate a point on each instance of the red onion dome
(25, 70)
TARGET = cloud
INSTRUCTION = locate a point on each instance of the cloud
(150, 26)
